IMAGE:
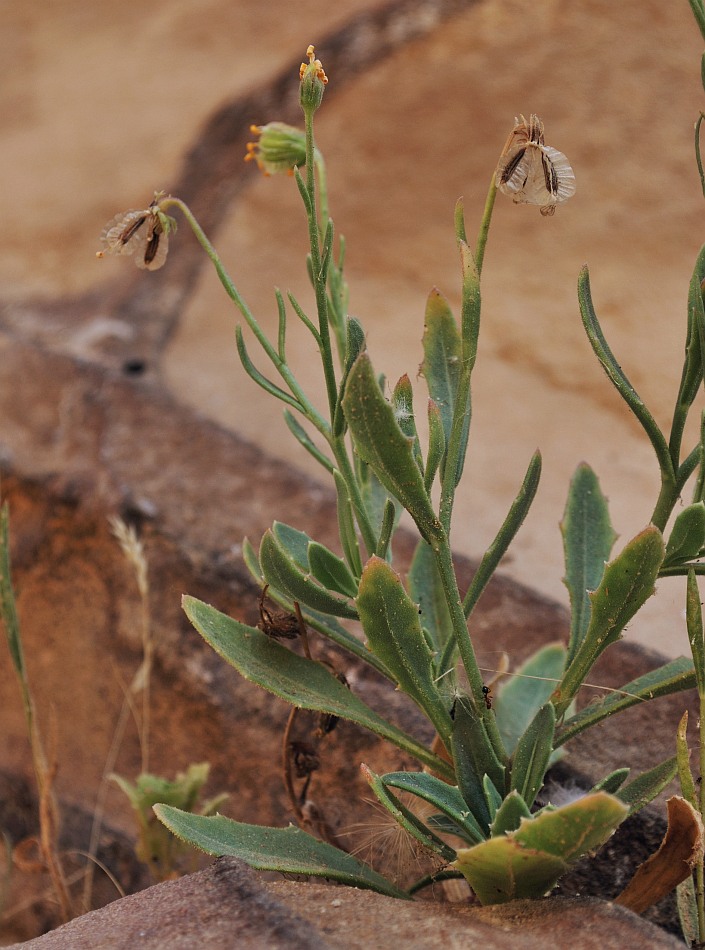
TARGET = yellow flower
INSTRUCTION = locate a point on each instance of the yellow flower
(313, 82)
(280, 148)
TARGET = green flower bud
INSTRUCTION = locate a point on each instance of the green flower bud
(280, 148)
(313, 82)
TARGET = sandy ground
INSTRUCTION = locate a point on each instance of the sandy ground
(103, 101)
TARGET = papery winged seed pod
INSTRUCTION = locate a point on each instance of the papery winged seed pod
(531, 172)
(144, 233)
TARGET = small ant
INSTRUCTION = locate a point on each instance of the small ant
(487, 693)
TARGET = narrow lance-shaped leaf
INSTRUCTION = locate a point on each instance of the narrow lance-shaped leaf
(294, 678)
(330, 571)
(286, 575)
(346, 525)
(436, 444)
(441, 363)
(446, 798)
(687, 537)
(403, 406)
(474, 757)
(627, 583)
(672, 677)
(506, 534)
(523, 694)
(382, 444)
(287, 850)
(426, 589)
(390, 620)
(618, 377)
(410, 822)
(694, 624)
(533, 753)
(587, 541)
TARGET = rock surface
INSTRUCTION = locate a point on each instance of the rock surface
(226, 906)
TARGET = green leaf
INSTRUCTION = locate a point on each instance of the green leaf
(403, 406)
(672, 677)
(381, 443)
(294, 678)
(436, 444)
(390, 620)
(613, 782)
(523, 694)
(618, 378)
(285, 574)
(446, 798)
(685, 775)
(627, 583)
(694, 624)
(330, 570)
(506, 534)
(287, 850)
(258, 377)
(527, 863)
(532, 754)
(509, 814)
(687, 537)
(492, 796)
(587, 541)
(354, 345)
(346, 525)
(648, 785)
(426, 589)
(441, 363)
(474, 757)
(305, 440)
(293, 542)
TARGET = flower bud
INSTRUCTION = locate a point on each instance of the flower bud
(313, 82)
(280, 148)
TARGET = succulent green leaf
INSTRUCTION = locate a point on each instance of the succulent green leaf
(627, 583)
(527, 863)
(426, 589)
(446, 798)
(287, 850)
(521, 696)
(687, 537)
(587, 541)
(672, 677)
(391, 623)
(285, 573)
(294, 678)
(532, 754)
(330, 570)
(509, 815)
(382, 444)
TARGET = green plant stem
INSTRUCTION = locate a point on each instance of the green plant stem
(700, 866)
(345, 468)
(444, 563)
(303, 403)
(485, 226)
(318, 271)
(699, 13)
